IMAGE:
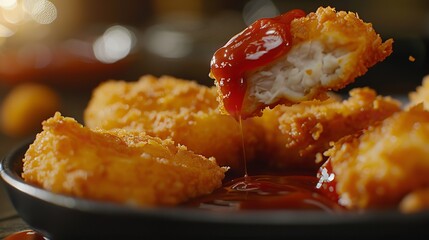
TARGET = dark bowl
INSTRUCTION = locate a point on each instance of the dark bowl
(63, 217)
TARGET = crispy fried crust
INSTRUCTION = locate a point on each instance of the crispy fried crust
(340, 33)
(118, 166)
(385, 164)
(343, 30)
(173, 108)
(295, 135)
(421, 95)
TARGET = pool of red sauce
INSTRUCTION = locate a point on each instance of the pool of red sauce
(259, 44)
(269, 192)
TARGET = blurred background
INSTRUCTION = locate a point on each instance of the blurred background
(60, 50)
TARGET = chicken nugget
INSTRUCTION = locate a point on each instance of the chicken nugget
(179, 109)
(297, 135)
(294, 57)
(117, 166)
(380, 167)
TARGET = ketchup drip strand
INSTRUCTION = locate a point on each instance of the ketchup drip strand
(262, 42)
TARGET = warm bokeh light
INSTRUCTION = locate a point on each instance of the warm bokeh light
(167, 43)
(14, 13)
(14, 16)
(41, 11)
(8, 4)
(115, 44)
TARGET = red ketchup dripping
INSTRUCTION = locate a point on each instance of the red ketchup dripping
(262, 42)
(327, 183)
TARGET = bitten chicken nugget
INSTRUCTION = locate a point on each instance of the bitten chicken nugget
(118, 166)
(179, 109)
(296, 134)
(294, 57)
(379, 168)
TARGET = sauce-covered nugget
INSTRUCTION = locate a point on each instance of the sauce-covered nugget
(294, 57)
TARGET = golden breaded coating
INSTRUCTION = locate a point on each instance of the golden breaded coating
(118, 166)
(421, 95)
(173, 108)
(386, 163)
(343, 31)
(296, 134)
(330, 49)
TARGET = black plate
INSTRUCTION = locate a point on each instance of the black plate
(65, 217)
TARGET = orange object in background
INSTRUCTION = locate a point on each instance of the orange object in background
(25, 107)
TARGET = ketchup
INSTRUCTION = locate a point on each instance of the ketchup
(264, 192)
(26, 235)
(262, 42)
